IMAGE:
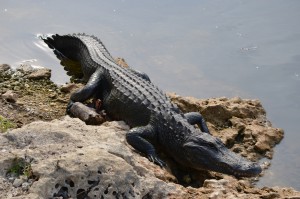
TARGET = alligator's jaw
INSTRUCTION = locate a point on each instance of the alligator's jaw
(251, 170)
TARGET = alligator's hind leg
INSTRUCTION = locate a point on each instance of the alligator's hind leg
(196, 118)
(139, 137)
(89, 90)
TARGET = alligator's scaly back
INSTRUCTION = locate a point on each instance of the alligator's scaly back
(129, 95)
(129, 85)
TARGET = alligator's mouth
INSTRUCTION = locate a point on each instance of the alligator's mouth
(238, 172)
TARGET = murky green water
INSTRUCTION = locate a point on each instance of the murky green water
(200, 48)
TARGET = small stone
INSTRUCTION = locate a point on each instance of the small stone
(262, 146)
(67, 88)
(265, 164)
(24, 178)
(18, 182)
(10, 96)
(213, 183)
(215, 195)
(25, 68)
(11, 179)
(42, 73)
(53, 95)
(16, 192)
(16, 88)
(25, 186)
(236, 100)
(269, 154)
(30, 181)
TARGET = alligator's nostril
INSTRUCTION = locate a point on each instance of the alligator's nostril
(255, 169)
(258, 169)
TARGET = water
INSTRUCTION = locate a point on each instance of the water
(198, 48)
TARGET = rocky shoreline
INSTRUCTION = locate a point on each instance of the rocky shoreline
(45, 154)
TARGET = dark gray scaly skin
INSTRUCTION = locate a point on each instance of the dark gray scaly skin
(130, 96)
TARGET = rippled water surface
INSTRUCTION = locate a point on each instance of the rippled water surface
(198, 48)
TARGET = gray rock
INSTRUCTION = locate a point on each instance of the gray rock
(25, 186)
(25, 68)
(41, 73)
(18, 182)
(33, 72)
(107, 166)
(11, 179)
(4, 67)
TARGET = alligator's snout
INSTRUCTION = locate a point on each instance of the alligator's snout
(244, 169)
(254, 169)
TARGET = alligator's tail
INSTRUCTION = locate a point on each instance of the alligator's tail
(64, 46)
(67, 50)
(72, 49)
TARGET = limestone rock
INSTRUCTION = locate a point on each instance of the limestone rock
(72, 159)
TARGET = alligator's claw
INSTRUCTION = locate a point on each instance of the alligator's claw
(156, 160)
(68, 110)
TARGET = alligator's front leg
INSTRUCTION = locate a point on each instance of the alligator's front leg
(139, 137)
(197, 118)
(89, 90)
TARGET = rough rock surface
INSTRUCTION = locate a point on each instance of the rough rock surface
(38, 99)
(70, 159)
(66, 158)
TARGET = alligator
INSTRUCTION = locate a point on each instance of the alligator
(129, 95)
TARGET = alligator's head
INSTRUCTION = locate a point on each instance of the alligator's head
(204, 151)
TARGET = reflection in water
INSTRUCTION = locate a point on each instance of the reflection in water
(199, 48)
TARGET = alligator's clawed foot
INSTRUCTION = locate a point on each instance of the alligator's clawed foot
(68, 110)
(156, 160)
